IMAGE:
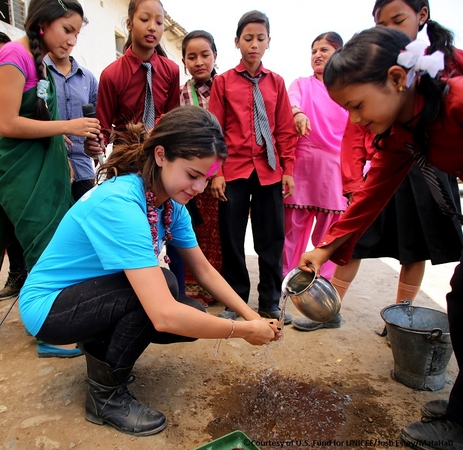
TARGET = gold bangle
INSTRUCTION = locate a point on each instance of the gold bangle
(233, 329)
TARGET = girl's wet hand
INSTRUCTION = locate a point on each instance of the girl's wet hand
(276, 328)
(262, 332)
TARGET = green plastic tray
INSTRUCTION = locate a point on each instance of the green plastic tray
(234, 440)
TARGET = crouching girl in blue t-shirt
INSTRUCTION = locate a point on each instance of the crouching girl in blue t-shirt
(99, 281)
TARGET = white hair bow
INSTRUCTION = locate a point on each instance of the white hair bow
(413, 58)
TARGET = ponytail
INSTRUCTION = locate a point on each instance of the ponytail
(434, 92)
(441, 39)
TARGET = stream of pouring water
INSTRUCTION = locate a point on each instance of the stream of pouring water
(283, 301)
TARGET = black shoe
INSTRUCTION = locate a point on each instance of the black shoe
(304, 324)
(13, 285)
(434, 409)
(442, 433)
(275, 314)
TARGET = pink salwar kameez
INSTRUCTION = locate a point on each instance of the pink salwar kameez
(317, 201)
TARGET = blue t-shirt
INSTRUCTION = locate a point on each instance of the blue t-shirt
(105, 232)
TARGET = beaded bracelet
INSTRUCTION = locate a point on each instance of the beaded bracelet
(233, 329)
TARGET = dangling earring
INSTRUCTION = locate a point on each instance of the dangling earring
(41, 31)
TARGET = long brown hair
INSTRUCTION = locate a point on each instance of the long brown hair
(186, 132)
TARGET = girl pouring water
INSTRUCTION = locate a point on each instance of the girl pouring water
(388, 86)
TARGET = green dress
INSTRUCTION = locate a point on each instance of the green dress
(35, 188)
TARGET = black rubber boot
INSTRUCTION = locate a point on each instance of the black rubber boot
(110, 402)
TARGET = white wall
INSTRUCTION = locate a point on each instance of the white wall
(96, 46)
(12, 32)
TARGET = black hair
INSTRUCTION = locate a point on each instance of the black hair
(440, 38)
(4, 38)
(133, 5)
(185, 132)
(199, 34)
(41, 11)
(367, 58)
(252, 17)
(332, 37)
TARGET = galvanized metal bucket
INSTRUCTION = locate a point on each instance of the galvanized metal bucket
(420, 343)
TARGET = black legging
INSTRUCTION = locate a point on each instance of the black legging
(107, 309)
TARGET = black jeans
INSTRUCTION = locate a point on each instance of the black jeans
(106, 310)
(455, 315)
(265, 204)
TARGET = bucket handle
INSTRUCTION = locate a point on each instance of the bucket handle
(406, 301)
(435, 335)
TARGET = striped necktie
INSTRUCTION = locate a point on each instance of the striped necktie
(148, 112)
(438, 190)
(261, 125)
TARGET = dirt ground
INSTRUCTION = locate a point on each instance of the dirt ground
(329, 388)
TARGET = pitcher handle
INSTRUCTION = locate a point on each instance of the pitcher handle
(314, 269)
